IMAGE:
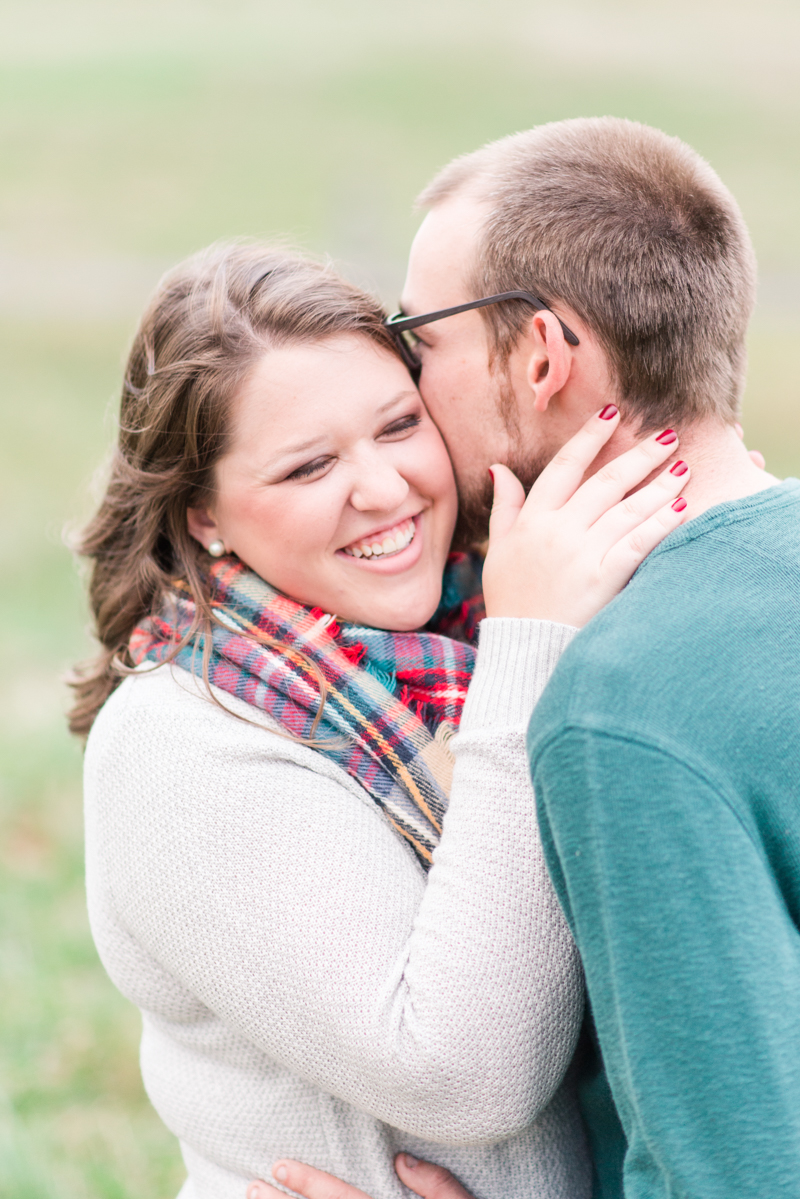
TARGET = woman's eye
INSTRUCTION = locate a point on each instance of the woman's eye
(308, 469)
(404, 425)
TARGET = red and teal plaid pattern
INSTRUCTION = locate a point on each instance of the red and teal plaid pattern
(393, 699)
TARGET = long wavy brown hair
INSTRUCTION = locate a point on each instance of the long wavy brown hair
(211, 319)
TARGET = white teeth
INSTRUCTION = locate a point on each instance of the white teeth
(401, 536)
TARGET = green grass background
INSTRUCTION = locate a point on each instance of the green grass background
(132, 133)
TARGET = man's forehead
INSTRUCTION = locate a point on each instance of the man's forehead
(441, 256)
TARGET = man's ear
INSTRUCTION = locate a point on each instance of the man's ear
(550, 360)
(202, 526)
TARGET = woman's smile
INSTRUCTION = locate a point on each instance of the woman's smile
(390, 549)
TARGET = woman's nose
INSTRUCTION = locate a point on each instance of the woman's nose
(377, 486)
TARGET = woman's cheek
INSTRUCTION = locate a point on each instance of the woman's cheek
(429, 465)
(439, 472)
(314, 520)
(278, 528)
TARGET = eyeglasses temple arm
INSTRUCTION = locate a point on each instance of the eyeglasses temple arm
(401, 323)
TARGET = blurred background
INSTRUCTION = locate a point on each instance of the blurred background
(134, 132)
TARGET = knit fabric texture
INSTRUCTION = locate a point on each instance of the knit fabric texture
(306, 989)
(392, 700)
(666, 763)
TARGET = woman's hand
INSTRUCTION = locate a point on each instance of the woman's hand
(431, 1182)
(571, 546)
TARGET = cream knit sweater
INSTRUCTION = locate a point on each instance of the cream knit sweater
(305, 990)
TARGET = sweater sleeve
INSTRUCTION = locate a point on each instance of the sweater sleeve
(288, 906)
(691, 965)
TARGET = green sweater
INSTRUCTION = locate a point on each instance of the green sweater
(665, 755)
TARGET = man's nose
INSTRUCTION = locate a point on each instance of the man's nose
(377, 485)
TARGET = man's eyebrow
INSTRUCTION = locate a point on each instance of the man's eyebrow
(430, 331)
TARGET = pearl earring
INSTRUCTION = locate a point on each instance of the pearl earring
(216, 549)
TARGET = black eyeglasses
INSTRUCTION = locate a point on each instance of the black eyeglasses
(400, 325)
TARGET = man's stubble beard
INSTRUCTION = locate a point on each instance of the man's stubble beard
(475, 495)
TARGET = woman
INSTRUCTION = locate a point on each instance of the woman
(270, 755)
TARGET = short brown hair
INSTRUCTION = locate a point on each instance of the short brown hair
(210, 320)
(638, 235)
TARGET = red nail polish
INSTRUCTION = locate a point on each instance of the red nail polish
(678, 468)
(491, 474)
(608, 412)
(679, 504)
(667, 437)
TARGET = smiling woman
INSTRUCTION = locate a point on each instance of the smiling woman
(272, 769)
(362, 513)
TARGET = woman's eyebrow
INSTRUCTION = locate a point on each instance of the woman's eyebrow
(290, 452)
(299, 447)
(302, 447)
(405, 394)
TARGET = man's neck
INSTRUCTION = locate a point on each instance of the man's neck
(721, 467)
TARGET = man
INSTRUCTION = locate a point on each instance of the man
(665, 752)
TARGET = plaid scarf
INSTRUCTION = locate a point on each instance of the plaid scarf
(393, 700)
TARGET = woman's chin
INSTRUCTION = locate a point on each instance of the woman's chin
(398, 614)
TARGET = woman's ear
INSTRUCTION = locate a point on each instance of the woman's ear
(550, 360)
(202, 526)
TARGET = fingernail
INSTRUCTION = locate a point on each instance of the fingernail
(679, 504)
(667, 437)
(254, 1192)
(410, 1161)
(491, 474)
(281, 1173)
(608, 412)
(678, 468)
